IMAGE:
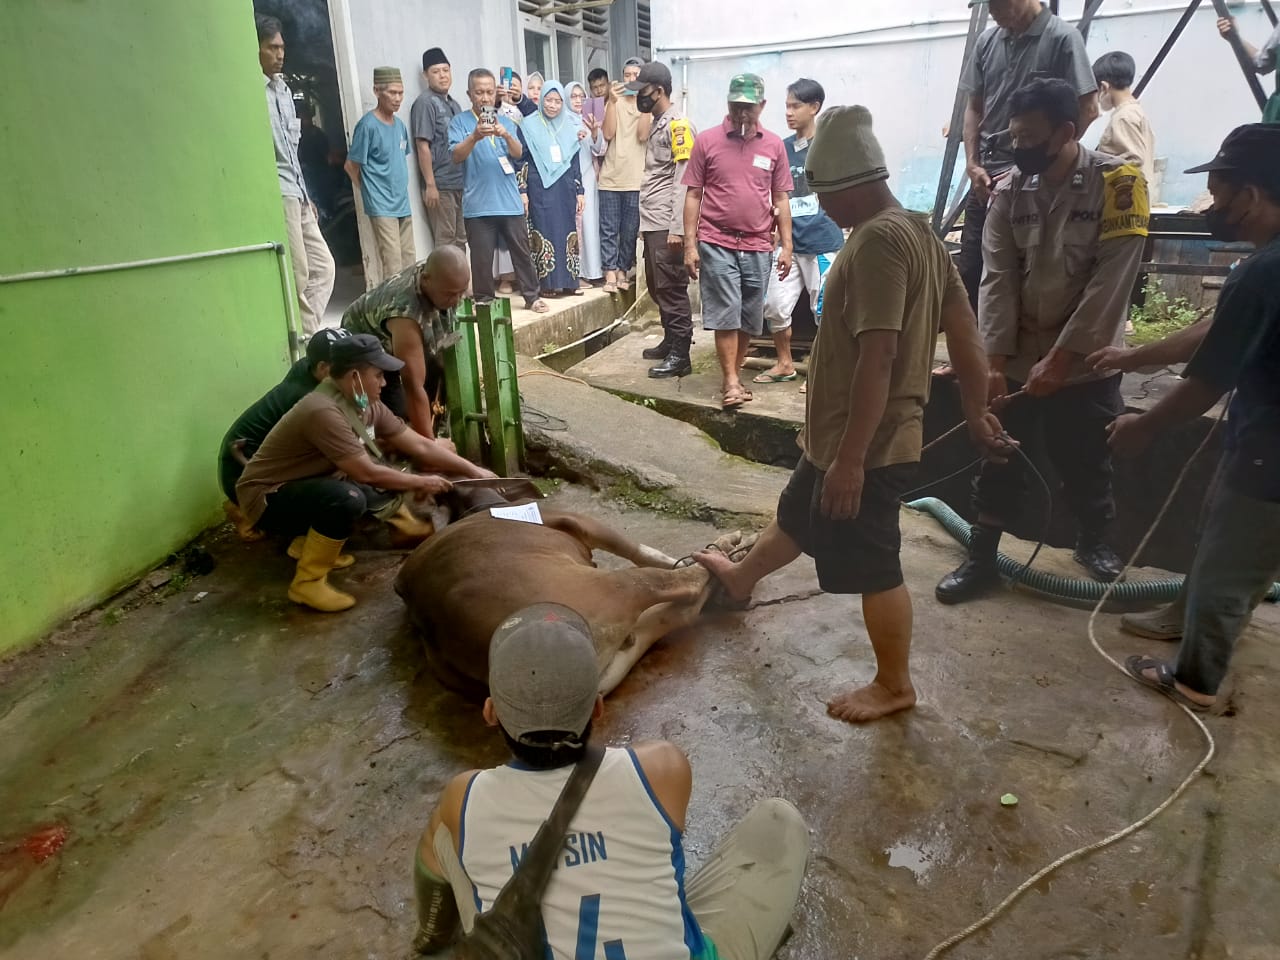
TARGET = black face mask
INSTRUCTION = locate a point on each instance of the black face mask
(644, 104)
(1220, 228)
(1034, 160)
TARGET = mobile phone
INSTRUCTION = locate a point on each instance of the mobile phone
(507, 76)
(488, 115)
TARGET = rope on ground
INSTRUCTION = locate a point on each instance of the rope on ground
(1137, 825)
(533, 417)
(551, 373)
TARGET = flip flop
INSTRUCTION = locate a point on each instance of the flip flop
(775, 377)
(804, 388)
(1163, 682)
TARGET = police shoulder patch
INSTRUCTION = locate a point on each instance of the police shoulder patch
(1126, 206)
(681, 139)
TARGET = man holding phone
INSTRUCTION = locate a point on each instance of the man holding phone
(627, 130)
(485, 145)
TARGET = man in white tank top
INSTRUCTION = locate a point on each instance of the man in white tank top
(618, 890)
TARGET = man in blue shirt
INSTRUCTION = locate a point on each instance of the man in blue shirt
(815, 238)
(1239, 351)
(485, 144)
(375, 164)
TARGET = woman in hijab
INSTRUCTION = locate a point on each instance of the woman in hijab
(551, 180)
(533, 87)
(593, 145)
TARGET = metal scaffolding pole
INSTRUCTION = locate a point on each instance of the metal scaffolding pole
(955, 133)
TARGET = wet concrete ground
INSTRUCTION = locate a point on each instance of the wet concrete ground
(240, 777)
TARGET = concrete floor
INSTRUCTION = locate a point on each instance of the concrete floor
(240, 777)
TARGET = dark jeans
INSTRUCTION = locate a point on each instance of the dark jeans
(1073, 425)
(1237, 561)
(229, 470)
(969, 259)
(329, 507)
(669, 284)
(619, 228)
(482, 235)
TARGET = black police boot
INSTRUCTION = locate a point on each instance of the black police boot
(979, 573)
(659, 351)
(675, 365)
(1103, 563)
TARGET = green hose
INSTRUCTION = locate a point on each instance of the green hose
(1164, 590)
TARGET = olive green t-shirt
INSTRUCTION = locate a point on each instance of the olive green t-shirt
(893, 273)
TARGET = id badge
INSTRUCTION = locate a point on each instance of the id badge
(763, 162)
(505, 164)
(557, 156)
(802, 143)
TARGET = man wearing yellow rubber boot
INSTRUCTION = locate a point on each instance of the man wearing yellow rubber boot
(321, 469)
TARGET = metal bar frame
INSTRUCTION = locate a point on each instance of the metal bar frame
(955, 134)
(1086, 19)
(1163, 52)
(1246, 64)
(1269, 11)
(462, 387)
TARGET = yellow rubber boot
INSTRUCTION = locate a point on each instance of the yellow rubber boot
(310, 585)
(295, 551)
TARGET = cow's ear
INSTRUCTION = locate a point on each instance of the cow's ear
(490, 715)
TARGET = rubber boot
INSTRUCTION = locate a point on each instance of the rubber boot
(659, 351)
(979, 573)
(406, 529)
(1162, 623)
(295, 552)
(310, 585)
(675, 365)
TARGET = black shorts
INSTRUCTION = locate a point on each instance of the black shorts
(852, 556)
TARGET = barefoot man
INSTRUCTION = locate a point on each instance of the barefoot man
(890, 291)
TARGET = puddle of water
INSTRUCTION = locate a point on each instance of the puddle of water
(920, 857)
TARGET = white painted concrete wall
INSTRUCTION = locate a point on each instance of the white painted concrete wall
(472, 33)
(902, 60)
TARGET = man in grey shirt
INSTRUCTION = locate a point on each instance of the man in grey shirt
(1027, 43)
(442, 178)
(312, 261)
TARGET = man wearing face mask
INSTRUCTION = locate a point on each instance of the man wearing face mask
(321, 468)
(662, 218)
(1062, 246)
(1238, 557)
(739, 191)
(1028, 42)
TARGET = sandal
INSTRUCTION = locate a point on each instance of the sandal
(1163, 682)
(733, 399)
(767, 377)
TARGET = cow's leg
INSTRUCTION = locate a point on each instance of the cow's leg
(595, 535)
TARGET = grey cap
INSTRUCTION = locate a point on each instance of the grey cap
(543, 674)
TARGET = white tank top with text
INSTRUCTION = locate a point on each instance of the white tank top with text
(617, 892)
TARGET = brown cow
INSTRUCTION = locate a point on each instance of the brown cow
(464, 581)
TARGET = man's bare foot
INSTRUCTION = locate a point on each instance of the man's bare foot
(726, 571)
(870, 703)
(244, 529)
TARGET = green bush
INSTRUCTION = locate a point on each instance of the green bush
(1157, 316)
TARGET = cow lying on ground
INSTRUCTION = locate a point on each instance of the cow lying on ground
(463, 582)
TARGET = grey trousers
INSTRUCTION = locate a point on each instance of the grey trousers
(1237, 561)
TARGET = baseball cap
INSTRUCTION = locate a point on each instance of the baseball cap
(543, 674)
(359, 349)
(655, 73)
(318, 347)
(1252, 150)
(746, 88)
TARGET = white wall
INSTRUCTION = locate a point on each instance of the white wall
(902, 60)
(394, 33)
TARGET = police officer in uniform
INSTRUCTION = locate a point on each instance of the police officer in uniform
(1061, 247)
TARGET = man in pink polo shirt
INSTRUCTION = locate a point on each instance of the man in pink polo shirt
(738, 179)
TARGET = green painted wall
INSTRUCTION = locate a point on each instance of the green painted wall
(127, 131)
